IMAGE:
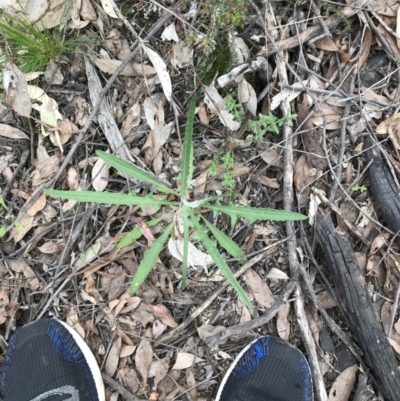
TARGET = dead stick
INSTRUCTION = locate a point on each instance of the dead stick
(123, 392)
(315, 30)
(254, 323)
(173, 334)
(288, 204)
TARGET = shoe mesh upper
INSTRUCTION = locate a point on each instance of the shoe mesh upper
(269, 370)
(43, 358)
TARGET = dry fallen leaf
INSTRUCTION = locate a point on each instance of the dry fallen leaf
(182, 55)
(169, 33)
(73, 321)
(108, 8)
(20, 266)
(247, 96)
(131, 70)
(342, 386)
(207, 330)
(326, 300)
(51, 247)
(158, 369)
(271, 157)
(196, 257)
(12, 133)
(161, 68)
(277, 274)
(127, 350)
(282, 322)
(327, 116)
(185, 360)
(387, 7)
(16, 92)
(87, 11)
(326, 44)
(303, 176)
(260, 290)
(158, 328)
(46, 105)
(132, 120)
(216, 104)
(163, 314)
(391, 126)
(111, 364)
(100, 175)
(143, 358)
(288, 94)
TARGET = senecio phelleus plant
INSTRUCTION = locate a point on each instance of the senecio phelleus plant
(186, 214)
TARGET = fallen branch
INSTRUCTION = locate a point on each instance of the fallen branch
(358, 309)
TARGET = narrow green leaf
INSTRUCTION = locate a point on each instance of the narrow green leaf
(255, 213)
(227, 243)
(185, 220)
(149, 259)
(2, 203)
(133, 171)
(135, 234)
(219, 261)
(111, 198)
(3, 230)
(130, 238)
(187, 153)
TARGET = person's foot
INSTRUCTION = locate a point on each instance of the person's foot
(268, 369)
(48, 360)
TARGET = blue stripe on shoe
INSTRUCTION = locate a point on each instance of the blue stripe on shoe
(307, 381)
(64, 342)
(251, 358)
(68, 349)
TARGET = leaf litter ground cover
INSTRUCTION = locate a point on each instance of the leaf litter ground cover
(289, 97)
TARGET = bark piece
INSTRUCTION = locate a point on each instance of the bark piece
(358, 310)
(383, 188)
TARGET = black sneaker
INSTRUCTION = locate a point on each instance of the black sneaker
(49, 361)
(268, 369)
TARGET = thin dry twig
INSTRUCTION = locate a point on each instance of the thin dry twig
(257, 322)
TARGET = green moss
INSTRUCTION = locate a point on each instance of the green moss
(217, 61)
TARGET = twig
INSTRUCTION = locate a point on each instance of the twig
(173, 334)
(315, 30)
(327, 33)
(288, 203)
(123, 392)
(24, 158)
(257, 322)
(394, 310)
(349, 225)
(343, 131)
(384, 25)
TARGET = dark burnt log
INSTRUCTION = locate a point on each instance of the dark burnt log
(384, 189)
(357, 307)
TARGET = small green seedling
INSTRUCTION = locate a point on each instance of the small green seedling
(359, 188)
(187, 217)
(9, 216)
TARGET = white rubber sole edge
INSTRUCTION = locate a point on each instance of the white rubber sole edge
(229, 371)
(90, 359)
